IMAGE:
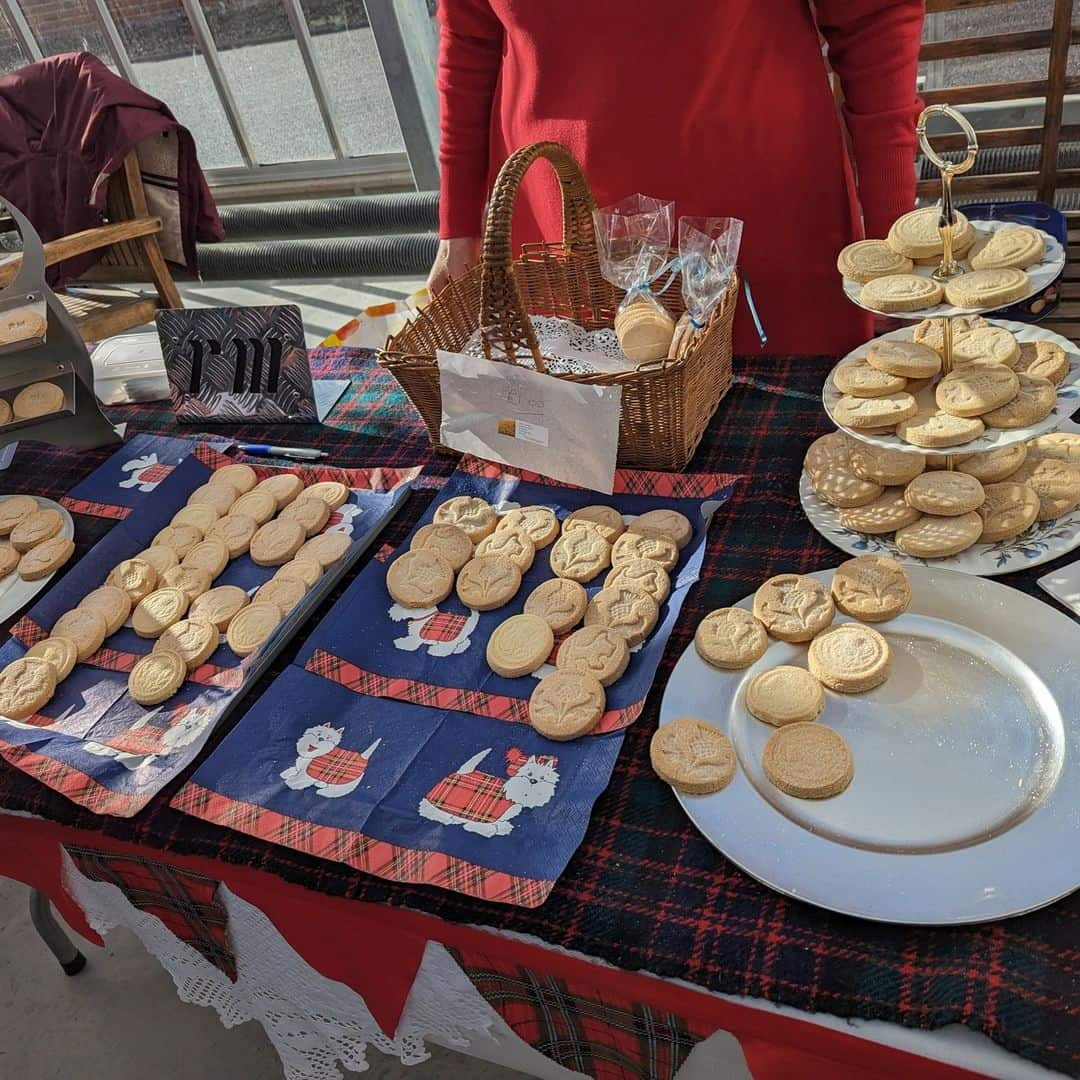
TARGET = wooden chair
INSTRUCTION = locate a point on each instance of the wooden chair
(131, 254)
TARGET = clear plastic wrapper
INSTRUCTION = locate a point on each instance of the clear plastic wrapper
(634, 237)
(708, 252)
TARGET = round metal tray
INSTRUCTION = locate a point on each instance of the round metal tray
(16, 593)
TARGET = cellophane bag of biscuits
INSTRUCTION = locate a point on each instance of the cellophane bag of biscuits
(634, 238)
(708, 254)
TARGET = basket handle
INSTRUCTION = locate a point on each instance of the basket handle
(502, 310)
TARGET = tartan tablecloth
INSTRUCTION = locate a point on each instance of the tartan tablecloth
(645, 890)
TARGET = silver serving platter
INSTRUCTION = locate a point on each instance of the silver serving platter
(965, 805)
(16, 593)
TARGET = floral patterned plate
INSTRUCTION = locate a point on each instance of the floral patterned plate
(1045, 540)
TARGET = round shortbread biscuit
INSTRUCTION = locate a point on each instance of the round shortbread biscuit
(917, 234)
(283, 488)
(86, 627)
(598, 651)
(306, 570)
(1018, 246)
(161, 558)
(488, 582)
(61, 652)
(1043, 360)
(419, 579)
(947, 494)
(873, 588)
(828, 452)
(985, 344)
(566, 705)
(730, 638)
(222, 497)
(537, 522)
(192, 581)
(863, 413)
(808, 761)
(5, 409)
(645, 333)
(193, 640)
(45, 559)
(793, 608)
(859, 379)
(1007, 510)
(158, 611)
(211, 555)
(1062, 445)
(9, 559)
(37, 399)
(1034, 401)
(475, 517)
(850, 658)
(235, 532)
(112, 603)
(930, 332)
(448, 540)
(181, 538)
(219, 605)
(199, 515)
(644, 575)
(257, 505)
(900, 292)
(276, 542)
(656, 547)
(606, 520)
(240, 477)
(26, 685)
(35, 529)
(311, 514)
(667, 523)
(580, 554)
(987, 288)
(519, 646)
(975, 389)
(885, 467)
(326, 548)
(994, 465)
(885, 514)
(626, 611)
(14, 509)
(135, 576)
(935, 537)
(156, 677)
(513, 543)
(332, 492)
(285, 593)
(936, 430)
(560, 602)
(840, 487)
(865, 260)
(1056, 482)
(785, 695)
(692, 756)
(906, 359)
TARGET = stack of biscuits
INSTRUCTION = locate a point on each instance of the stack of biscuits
(35, 547)
(31, 402)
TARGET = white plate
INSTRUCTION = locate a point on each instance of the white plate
(1068, 399)
(966, 795)
(1045, 540)
(14, 592)
(1042, 274)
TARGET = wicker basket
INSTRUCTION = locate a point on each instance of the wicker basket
(666, 405)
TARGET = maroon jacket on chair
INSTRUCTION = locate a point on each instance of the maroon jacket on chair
(66, 124)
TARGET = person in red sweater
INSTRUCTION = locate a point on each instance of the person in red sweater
(723, 107)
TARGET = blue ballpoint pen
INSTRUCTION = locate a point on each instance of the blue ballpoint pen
(295, 453)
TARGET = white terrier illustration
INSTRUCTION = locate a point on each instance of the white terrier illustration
(442, 633)
(323, 765)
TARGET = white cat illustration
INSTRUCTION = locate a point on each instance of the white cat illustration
(322, 764)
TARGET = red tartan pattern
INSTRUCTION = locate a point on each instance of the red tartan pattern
(339, 766)
(475, 796)
(362, 852)
(95, 509)
(28, 632)
(38, 720)
(443, 626)
(153, 474)
(497, 706)
(385, 553)
(145, 740)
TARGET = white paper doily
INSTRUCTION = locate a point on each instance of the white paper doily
(568, 349)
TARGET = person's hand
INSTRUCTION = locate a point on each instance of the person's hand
(454, 257)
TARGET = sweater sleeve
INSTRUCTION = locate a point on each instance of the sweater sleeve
(470, 54)
(874, 50)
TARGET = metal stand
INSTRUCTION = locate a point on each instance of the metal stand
(52, 933)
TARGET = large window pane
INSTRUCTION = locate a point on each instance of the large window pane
(68, 27)
(12, 55)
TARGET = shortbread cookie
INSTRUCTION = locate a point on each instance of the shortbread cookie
(235, 532)
(865, 260)
(193, 640)
(283, 488)
(260, 506)
(488, 582)
(873, 588)
(560, 602)
(885, 467)
(862, 413)
(161, 558)
(61, 652)
(9, 559)
(934, 537)
(985, 344)
(135, 576)
(885, 514)
(475, 517)
(26, 685)
(987, 288)
(84, 626)
(5, 408)
(1034, 401)
(537, 522)
(606, 520)
(566, 705)
(808, 761)
(112, 603)
(276, 542)
(840, 487)
(222, 497)
(306, 570)
(219, 605)
(199, 515)
(35, 529)
(1018, 246)
(513, 543)
(448, 540)
(643, 575)
(692, 756)
(900, 292)
(192, 581)
(238, 476)
(519, 646)
(45, 558)
(828, 452)
(158, 611)
(730, 638)
(37, 399)
(975, 389)
(598, 651)
(850, 658)
(211, 555)
(15, 509)
(155, 678)
(1043, 360)
(311, 514)
(936, 430)
(930, 332)
(419, 579)
(859, 379)
(580, 554)
(645, 333)
(1007, 510)
(1057, 483)
(994, 465)
(1062, 445)
(906, 359)
(326, 548)
(785, 695)
(665, 522)
(793, 608)
(947, 494)
(284, 593)
(626, 611)
(656, 547)
(917, 235)
(332, 492)
(181, 538)
(252, 627)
